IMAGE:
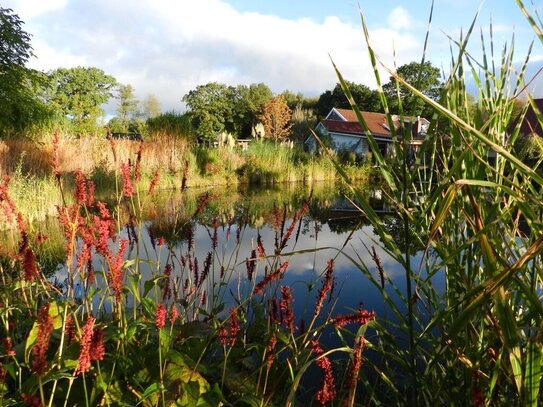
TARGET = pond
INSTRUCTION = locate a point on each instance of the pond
(208, 249)
(239, 217)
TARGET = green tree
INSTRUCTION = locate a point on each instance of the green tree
(251, 99)
(365, 98)
(78, 93)
(212, 109)
(150, 107)
(19, 107)
(127, 109)
(424, 77)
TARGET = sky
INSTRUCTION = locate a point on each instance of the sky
(166, 48)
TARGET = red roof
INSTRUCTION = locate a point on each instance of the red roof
(377, 123)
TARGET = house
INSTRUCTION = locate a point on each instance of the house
(345, 133)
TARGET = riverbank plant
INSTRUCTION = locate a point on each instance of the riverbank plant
(467, 328)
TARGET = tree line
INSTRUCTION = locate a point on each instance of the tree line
(73, 98)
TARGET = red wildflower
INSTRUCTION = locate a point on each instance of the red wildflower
(30, 267)
(154, 182)
(260, 246)
(45, 328)
(327, 392)
(115, 274)
(84, 361)
(98, 350)
(326, 286)
(203, 200)
(270, 351)
(161, 241)
(355, 364)
(251, 264)
(90, 193)
(286, 308)
(174, 314)
(379, 265)
(8, 345)
(361, 317)
(160, 317)
(69, 329)
(31, 401)
(276, 275)
(223, 335)
(80, 188)
(234, 326)
(128, 188)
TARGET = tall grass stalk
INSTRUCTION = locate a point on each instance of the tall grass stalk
(477, 223)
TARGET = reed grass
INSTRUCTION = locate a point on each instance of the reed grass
(477, 341)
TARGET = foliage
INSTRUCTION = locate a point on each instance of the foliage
(174, 124)
(150, 107)
(423, 76)
(365, 98)
(303, 121)
(477, 340)
(275, 116)
(137, 322)
(127, 109)
(211, 108)
(251, 100)
(78, 93)
(20, 109)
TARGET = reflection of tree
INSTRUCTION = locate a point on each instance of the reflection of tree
(395, 226)
(173, 231)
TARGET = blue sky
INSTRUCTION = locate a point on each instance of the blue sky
(168, 47)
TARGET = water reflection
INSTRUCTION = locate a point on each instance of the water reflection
(240, 217)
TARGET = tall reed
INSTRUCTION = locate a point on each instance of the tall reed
(477, 341)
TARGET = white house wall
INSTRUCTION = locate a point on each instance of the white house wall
(350, 143)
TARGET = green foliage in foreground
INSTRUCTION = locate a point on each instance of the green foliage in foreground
(477, 340)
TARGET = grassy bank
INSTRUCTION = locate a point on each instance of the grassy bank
(165, 162)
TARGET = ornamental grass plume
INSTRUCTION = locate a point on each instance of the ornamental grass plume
(39, 352)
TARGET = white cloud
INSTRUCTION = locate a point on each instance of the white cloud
(168, 47)
(399, 18)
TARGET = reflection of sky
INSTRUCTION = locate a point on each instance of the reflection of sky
(307, 257)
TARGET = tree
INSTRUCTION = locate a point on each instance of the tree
(128, 105)
(212, 107)
(251, 99)
(78, 93)
(19, 107)
(275, 117)
(365, 98)
(150, 107)
(425, 77)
